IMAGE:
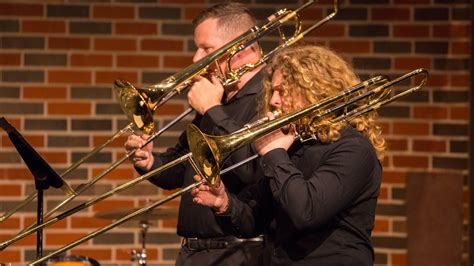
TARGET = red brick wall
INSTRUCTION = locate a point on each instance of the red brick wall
(58, 63)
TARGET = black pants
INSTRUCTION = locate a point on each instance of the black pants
(247, 253)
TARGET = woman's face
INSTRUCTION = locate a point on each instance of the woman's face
(284, 101)
(276, 101)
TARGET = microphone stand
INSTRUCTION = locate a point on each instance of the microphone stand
(43, 174)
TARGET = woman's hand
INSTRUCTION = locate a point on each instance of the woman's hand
(274, 140)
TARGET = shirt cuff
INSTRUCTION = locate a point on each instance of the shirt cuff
(230, 205)
(156, 163)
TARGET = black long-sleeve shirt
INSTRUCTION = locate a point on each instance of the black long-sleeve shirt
(196, 220)
(316, 204)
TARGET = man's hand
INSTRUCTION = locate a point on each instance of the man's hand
(206, 195)
(141, 158)
(205, 94)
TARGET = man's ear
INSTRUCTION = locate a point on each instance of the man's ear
(245, 53)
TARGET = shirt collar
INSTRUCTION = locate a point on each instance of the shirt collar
(253, 86)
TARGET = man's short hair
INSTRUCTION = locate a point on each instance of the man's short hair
(233, 18)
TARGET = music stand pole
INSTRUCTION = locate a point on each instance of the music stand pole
(44, 175)
(39, 233)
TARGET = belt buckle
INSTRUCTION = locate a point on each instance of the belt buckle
(188, 242)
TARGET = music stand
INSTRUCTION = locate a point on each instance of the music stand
(43, 174)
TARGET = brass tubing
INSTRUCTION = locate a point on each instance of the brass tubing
(18, 207)
(136, 213)
(297, 35)
(33, 195)
(116, 223)
(84, 187)
(86, 204)
(374, 106)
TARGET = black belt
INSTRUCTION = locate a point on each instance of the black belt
(216, 243)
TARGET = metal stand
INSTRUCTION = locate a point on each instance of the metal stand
(140, 257)
(39, 219)
(44, 175)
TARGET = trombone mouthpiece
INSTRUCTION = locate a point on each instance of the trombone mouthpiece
(276, 113)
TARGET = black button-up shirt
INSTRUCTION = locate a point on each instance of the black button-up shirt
(316, 204)
(196, 220)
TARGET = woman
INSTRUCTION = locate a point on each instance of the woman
(316, 202)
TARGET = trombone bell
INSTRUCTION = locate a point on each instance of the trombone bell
(136, 105)
(206, 154)
(210, 151)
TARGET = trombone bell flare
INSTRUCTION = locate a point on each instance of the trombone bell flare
(136, 105)
(210, 151)
(206, 159)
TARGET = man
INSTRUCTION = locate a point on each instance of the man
(219, 111)
(316, 201)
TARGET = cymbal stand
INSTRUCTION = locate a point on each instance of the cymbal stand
(140, 257)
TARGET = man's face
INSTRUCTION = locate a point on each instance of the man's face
(208, 38)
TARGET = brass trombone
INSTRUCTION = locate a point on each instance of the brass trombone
(208, 152)
(211, 151)
(139, 104)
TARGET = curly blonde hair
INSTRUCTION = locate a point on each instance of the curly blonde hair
(313, 73)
